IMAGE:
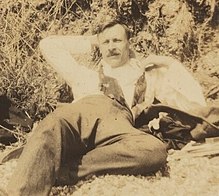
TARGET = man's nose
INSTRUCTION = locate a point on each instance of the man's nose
(111, 45)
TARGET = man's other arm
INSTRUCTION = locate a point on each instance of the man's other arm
(173, 84)
(59, 50)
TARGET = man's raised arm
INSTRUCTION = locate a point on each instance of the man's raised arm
(58, 51)
(172, 84)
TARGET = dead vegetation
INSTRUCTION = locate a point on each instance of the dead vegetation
(185, 29)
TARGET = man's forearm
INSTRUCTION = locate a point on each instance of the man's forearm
(58, 51)
(71, 44)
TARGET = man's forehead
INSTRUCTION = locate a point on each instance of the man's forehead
(117, 30)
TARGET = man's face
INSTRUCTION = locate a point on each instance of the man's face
(114, 45)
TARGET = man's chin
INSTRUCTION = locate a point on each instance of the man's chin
(114, 62)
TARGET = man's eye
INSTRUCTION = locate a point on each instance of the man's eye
(117, 40)
(106, 42)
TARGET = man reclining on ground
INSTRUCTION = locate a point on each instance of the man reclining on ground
(95, 134)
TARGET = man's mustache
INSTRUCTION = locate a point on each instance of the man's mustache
(112, 53)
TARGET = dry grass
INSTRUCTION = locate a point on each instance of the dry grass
(24, 75)
(31, 83)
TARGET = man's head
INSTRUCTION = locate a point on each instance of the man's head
(114, 43)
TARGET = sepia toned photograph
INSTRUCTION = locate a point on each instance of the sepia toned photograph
(109, 98)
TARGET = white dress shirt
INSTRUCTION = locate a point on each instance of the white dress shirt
(172, 85)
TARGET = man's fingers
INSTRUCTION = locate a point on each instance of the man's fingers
(158, 60)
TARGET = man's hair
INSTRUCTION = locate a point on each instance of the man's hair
(112, 23)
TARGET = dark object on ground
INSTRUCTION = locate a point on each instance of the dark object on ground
(10, 118)
(177, 128)
(5, 104)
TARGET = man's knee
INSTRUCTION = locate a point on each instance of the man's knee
(150, 155)
(47, 132)
(50, 122)
(158, 155)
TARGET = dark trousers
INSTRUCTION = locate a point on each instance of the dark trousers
(94, 135)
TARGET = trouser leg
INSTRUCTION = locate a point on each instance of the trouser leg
(75, 141)
(59, 138)
(134, 154)
(55, 141)
(37, 164)
(129, 152)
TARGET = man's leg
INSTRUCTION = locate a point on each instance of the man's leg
(134, 154)
(55, 142)
(107, 144)
(64, 135)
(119, 148)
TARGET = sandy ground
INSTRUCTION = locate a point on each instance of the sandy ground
(185, 175)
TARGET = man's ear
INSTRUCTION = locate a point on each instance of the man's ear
(94, 40)
(131, 53)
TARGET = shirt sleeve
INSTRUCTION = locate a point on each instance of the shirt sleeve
(58, 52)
(174, 85)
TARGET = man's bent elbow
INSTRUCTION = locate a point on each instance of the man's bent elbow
(46, 44)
